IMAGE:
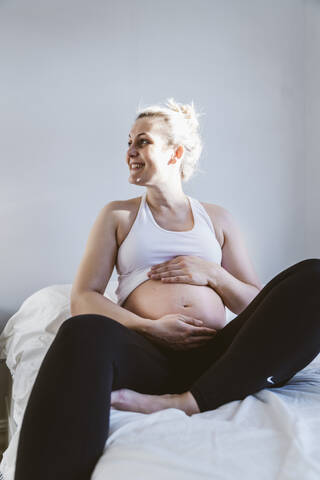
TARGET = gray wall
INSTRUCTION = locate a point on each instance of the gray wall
(72, 75)
(312, 143)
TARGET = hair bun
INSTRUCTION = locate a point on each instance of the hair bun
(188, 111)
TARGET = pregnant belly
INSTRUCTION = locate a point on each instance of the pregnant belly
(153, 299)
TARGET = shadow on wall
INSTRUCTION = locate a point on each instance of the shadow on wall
(4, 317)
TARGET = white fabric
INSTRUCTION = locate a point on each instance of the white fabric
(272, 435)
(149, 244)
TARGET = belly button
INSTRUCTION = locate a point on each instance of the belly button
(186, 305)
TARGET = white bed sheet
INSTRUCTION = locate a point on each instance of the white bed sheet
(272, 435)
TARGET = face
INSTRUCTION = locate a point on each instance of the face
(147, 145)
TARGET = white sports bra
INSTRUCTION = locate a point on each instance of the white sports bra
(148, 244)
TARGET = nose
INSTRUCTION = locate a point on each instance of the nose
(132, 152)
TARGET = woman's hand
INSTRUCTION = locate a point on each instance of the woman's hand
(184, 269)
(179, 332)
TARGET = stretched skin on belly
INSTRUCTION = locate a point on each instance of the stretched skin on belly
(153, 299)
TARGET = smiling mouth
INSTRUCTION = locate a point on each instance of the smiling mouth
(136, 168)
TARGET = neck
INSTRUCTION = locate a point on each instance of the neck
(166, 200)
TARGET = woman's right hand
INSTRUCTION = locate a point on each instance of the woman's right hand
(179, 332)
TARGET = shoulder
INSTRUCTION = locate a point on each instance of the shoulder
(121, 212)
(220, 218)
(117, 207)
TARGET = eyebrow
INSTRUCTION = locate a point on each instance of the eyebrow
(143, 133)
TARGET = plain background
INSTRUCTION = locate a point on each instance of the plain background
(72, 76)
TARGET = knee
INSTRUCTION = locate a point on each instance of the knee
(312, 265)
(309, 273)
(90, 324)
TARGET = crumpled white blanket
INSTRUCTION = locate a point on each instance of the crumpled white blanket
(272, 435)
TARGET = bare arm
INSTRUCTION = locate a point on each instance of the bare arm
(236, 295)
(94, 302)
(235, 280)
(87, 294)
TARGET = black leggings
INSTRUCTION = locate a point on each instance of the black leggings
(66, 421)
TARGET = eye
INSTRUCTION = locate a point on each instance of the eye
(141, 140)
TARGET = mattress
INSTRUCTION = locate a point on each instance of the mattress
(272, 435)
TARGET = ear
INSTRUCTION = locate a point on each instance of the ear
(179, 151)
(178, 154)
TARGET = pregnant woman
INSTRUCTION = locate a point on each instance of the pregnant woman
(166, 342)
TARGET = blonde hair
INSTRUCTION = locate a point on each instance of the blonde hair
(183, 129)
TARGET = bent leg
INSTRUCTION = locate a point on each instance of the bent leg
(275, 337)
(66, 421)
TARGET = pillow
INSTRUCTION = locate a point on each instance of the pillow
(40, 314)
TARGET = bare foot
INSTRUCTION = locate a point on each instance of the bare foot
(129, 400)
(188, 403)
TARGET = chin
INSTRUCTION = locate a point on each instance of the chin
(135, 182)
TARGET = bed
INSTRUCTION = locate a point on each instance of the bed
(272, 435)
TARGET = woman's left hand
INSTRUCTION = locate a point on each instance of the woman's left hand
(184, 269)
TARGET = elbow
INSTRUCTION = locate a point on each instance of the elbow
(74, 301)
(75, 304)
(73, 308)
(255, 293)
